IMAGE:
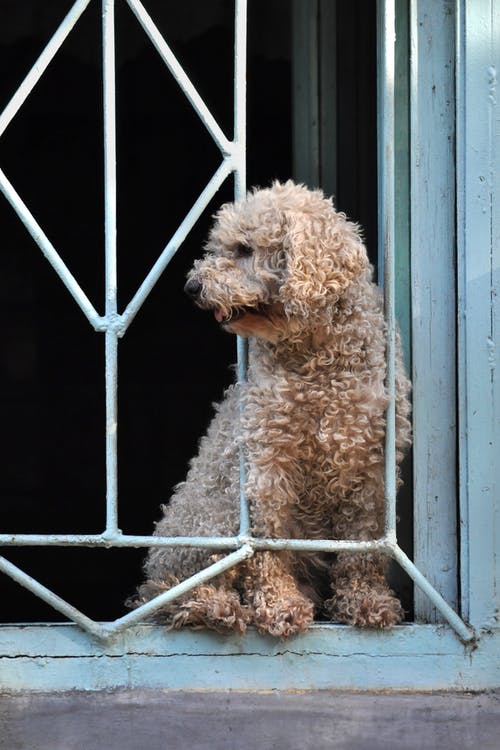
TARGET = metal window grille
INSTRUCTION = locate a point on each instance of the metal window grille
(114, 324)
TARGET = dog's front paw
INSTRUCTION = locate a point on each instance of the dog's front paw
(289, 615)
(365, 608)
(213, 608)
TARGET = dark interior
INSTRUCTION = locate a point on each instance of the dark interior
(174, 361)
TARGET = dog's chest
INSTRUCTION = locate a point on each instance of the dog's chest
(308, 407)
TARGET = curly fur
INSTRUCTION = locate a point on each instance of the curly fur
(288, 271)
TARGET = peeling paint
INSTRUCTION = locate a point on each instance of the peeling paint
(492, 83)
(490, 343)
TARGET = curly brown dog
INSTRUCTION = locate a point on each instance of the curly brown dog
(288, 271)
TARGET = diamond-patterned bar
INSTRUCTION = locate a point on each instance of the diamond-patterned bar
(148, 609)
(41, 64)
(465, 632)
(178, 238)
(180, 76)
(49, 251)
(52, 599)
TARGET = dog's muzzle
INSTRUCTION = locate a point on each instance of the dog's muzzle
(193, 288)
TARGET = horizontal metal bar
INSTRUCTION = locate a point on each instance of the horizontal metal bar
(49, 251)
(320, 545)
(458, 625)
(180, 76)
(148, 609)
(52, 599)
(178, 238)
(41, 64)
(115, 540)
(223, 543)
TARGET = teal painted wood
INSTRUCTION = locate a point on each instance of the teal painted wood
(314, 73)
(478, 144)
(433, 297)
(413, 657)
(328, 95)
(305, 82)
(402, 179)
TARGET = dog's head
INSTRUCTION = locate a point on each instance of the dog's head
(277, 262)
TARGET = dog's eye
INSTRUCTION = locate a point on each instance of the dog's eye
(243, 251)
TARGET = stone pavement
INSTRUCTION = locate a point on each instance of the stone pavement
(162, 720)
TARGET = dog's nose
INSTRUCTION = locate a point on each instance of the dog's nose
(193, 288)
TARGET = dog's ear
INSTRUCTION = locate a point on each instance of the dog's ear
(324, 254)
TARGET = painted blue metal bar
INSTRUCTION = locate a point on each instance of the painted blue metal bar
(55, 601)
(223, 543)
(41, 64)
(180, 76)
(386, 31)
(462, 630)
(240, 55)
(148, 609)
(240, 115)
(49, 251)
(111, 340)
(462, 354)
(168, 253)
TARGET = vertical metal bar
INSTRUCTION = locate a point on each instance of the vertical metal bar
(240, 55)
(240, 98)
(386, 37)
(111, 342)
(463, 441)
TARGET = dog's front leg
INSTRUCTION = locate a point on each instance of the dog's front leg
(360, 593)
(277, 604)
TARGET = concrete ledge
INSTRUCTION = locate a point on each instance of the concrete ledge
(128, 720)
(43, 658)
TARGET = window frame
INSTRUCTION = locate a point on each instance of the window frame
(420, 656)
